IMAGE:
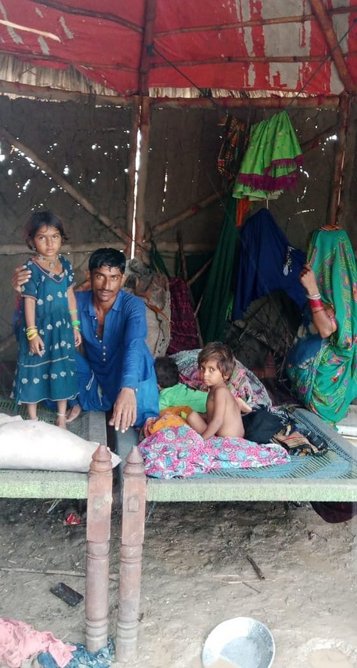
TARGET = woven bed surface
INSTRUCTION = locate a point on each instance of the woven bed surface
(329, 477)
(51, 484)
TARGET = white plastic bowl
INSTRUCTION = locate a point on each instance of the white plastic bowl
(241, 642)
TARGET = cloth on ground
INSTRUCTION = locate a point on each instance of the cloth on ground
(82, 658)
(181, 452)
(243, 383)
(20, 641)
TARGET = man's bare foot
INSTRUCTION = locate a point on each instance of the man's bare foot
(61, 420)
(74, 413)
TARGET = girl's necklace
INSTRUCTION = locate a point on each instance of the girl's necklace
(50, 262)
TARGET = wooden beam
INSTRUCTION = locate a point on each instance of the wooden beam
(335, 209)
(147, 47)
(191, 211)
(276, 102)
(47, 93)
(245, 59)
(333, 44)
(67, 187)
(90, 13)
(251, 23)
(142, 175)
(130, 198)
(73, 249)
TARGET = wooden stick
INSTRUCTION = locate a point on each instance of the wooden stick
(334, 209)
(333, 45)
(67, 187)
(53, 571)
(323, 101)
(255, 567)
(168, 224)
(199, 273)
(142, 174)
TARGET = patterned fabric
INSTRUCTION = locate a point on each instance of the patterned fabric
(181, 452)
(243, 382)
(323, 372)
(271, 161)
(184, 334)
(52, 375)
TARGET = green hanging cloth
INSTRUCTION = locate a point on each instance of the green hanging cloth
(271, 161)
(217, 294)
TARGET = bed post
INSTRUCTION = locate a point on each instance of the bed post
(132, 538)
(100, 486)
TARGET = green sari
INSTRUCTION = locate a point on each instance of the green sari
(323, 372)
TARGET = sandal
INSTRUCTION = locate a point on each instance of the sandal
(297, 444)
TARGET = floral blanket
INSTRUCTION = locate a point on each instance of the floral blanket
(179, 451)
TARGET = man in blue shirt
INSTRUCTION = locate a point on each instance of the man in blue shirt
(117, 369)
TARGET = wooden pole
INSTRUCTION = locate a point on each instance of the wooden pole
(132, 539)
(191, 211)
(333, 44)
(130, 206)
(319, 101)
(98, 536)
(67, 187)
(142, 175)
(335, 209)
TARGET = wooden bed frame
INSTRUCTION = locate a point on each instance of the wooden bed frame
(96, 487)
(330, 477)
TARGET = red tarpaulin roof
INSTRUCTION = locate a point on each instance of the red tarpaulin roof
(142, 46)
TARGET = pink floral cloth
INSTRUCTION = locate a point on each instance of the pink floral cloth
(181, 452)
(20, 641)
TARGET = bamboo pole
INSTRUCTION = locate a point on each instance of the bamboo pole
(244, 59)
(67, 187)
(318, 101)
(90, 13)
(142, 175)
(191, 211)
(48, 94)
(333, 44)
(132, 168)
(335, 201)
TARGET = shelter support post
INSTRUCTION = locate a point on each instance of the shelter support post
(135, 125)
(98, 537)
(132, 539)
(335, 201)
(142, 174)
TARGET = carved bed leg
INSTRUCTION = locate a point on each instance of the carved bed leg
(133, 527)
(99, 505)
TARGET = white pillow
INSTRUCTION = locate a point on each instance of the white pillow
(28, 444)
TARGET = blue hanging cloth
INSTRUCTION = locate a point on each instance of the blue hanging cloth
(267, 262)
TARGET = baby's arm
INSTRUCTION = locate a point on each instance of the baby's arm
(219, 406)
(36, 345)
(72, 306)
(244, 407)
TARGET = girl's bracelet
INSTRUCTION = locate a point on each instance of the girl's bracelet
(76, 323)
(73, 311)
(31, 335)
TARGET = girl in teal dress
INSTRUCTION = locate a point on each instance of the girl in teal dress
(48, 324)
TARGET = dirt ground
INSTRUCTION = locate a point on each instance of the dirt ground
(195, 575)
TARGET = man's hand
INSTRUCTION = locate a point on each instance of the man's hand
(20, 276)
(124, 410)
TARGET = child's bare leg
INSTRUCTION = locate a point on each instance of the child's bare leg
(61, 413)
(32, 411)
(196, 421)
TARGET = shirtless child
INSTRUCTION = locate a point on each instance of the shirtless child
(223, 411)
